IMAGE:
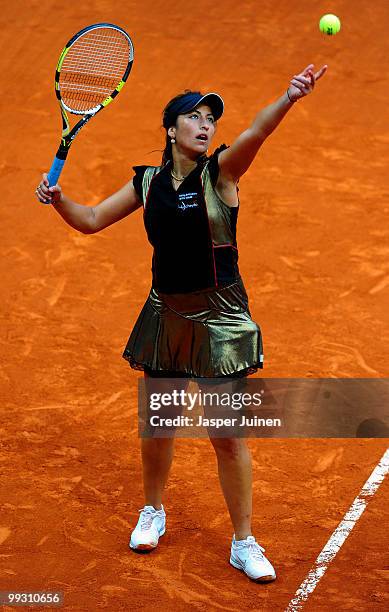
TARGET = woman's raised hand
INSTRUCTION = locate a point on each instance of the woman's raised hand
(302, 84)
(46, 194)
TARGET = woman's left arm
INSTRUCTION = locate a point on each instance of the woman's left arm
(235, 161)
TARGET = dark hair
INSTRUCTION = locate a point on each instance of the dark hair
(169, 119)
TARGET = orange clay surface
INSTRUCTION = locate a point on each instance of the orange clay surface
(313, 236)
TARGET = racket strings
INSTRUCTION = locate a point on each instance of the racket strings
(93, 67)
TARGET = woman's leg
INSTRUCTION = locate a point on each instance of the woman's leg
(157, 457)
(234, 467)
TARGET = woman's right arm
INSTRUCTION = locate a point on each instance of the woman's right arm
(90, 219)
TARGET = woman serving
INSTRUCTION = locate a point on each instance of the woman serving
(196, 321)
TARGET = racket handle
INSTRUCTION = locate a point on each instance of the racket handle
(55, 171)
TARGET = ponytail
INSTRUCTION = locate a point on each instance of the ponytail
(167, 154)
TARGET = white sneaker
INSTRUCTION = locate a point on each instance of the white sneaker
(151, 525)
(247, 556)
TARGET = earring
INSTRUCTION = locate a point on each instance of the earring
(173, 140)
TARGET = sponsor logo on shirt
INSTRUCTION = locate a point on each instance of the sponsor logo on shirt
(187, 200)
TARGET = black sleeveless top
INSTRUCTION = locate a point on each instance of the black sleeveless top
(192, 231)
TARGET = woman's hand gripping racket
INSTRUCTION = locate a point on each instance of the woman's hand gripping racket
(91, 71)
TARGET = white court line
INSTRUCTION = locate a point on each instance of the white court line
(340, 534)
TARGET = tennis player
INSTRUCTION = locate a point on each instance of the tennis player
(196, 321)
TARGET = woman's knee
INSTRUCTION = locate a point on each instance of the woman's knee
(231, 448)
(157, 445)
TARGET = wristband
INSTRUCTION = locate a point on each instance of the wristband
(290, 99)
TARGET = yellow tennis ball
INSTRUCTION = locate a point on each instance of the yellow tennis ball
(329, 24)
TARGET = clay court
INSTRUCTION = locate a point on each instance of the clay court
(313, 253)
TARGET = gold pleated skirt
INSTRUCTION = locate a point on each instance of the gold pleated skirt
(201, 334)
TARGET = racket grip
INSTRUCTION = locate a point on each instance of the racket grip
(55, 171)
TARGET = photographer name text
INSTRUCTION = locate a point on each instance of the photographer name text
(201, 421)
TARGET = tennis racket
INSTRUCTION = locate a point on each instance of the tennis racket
(91, 71)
